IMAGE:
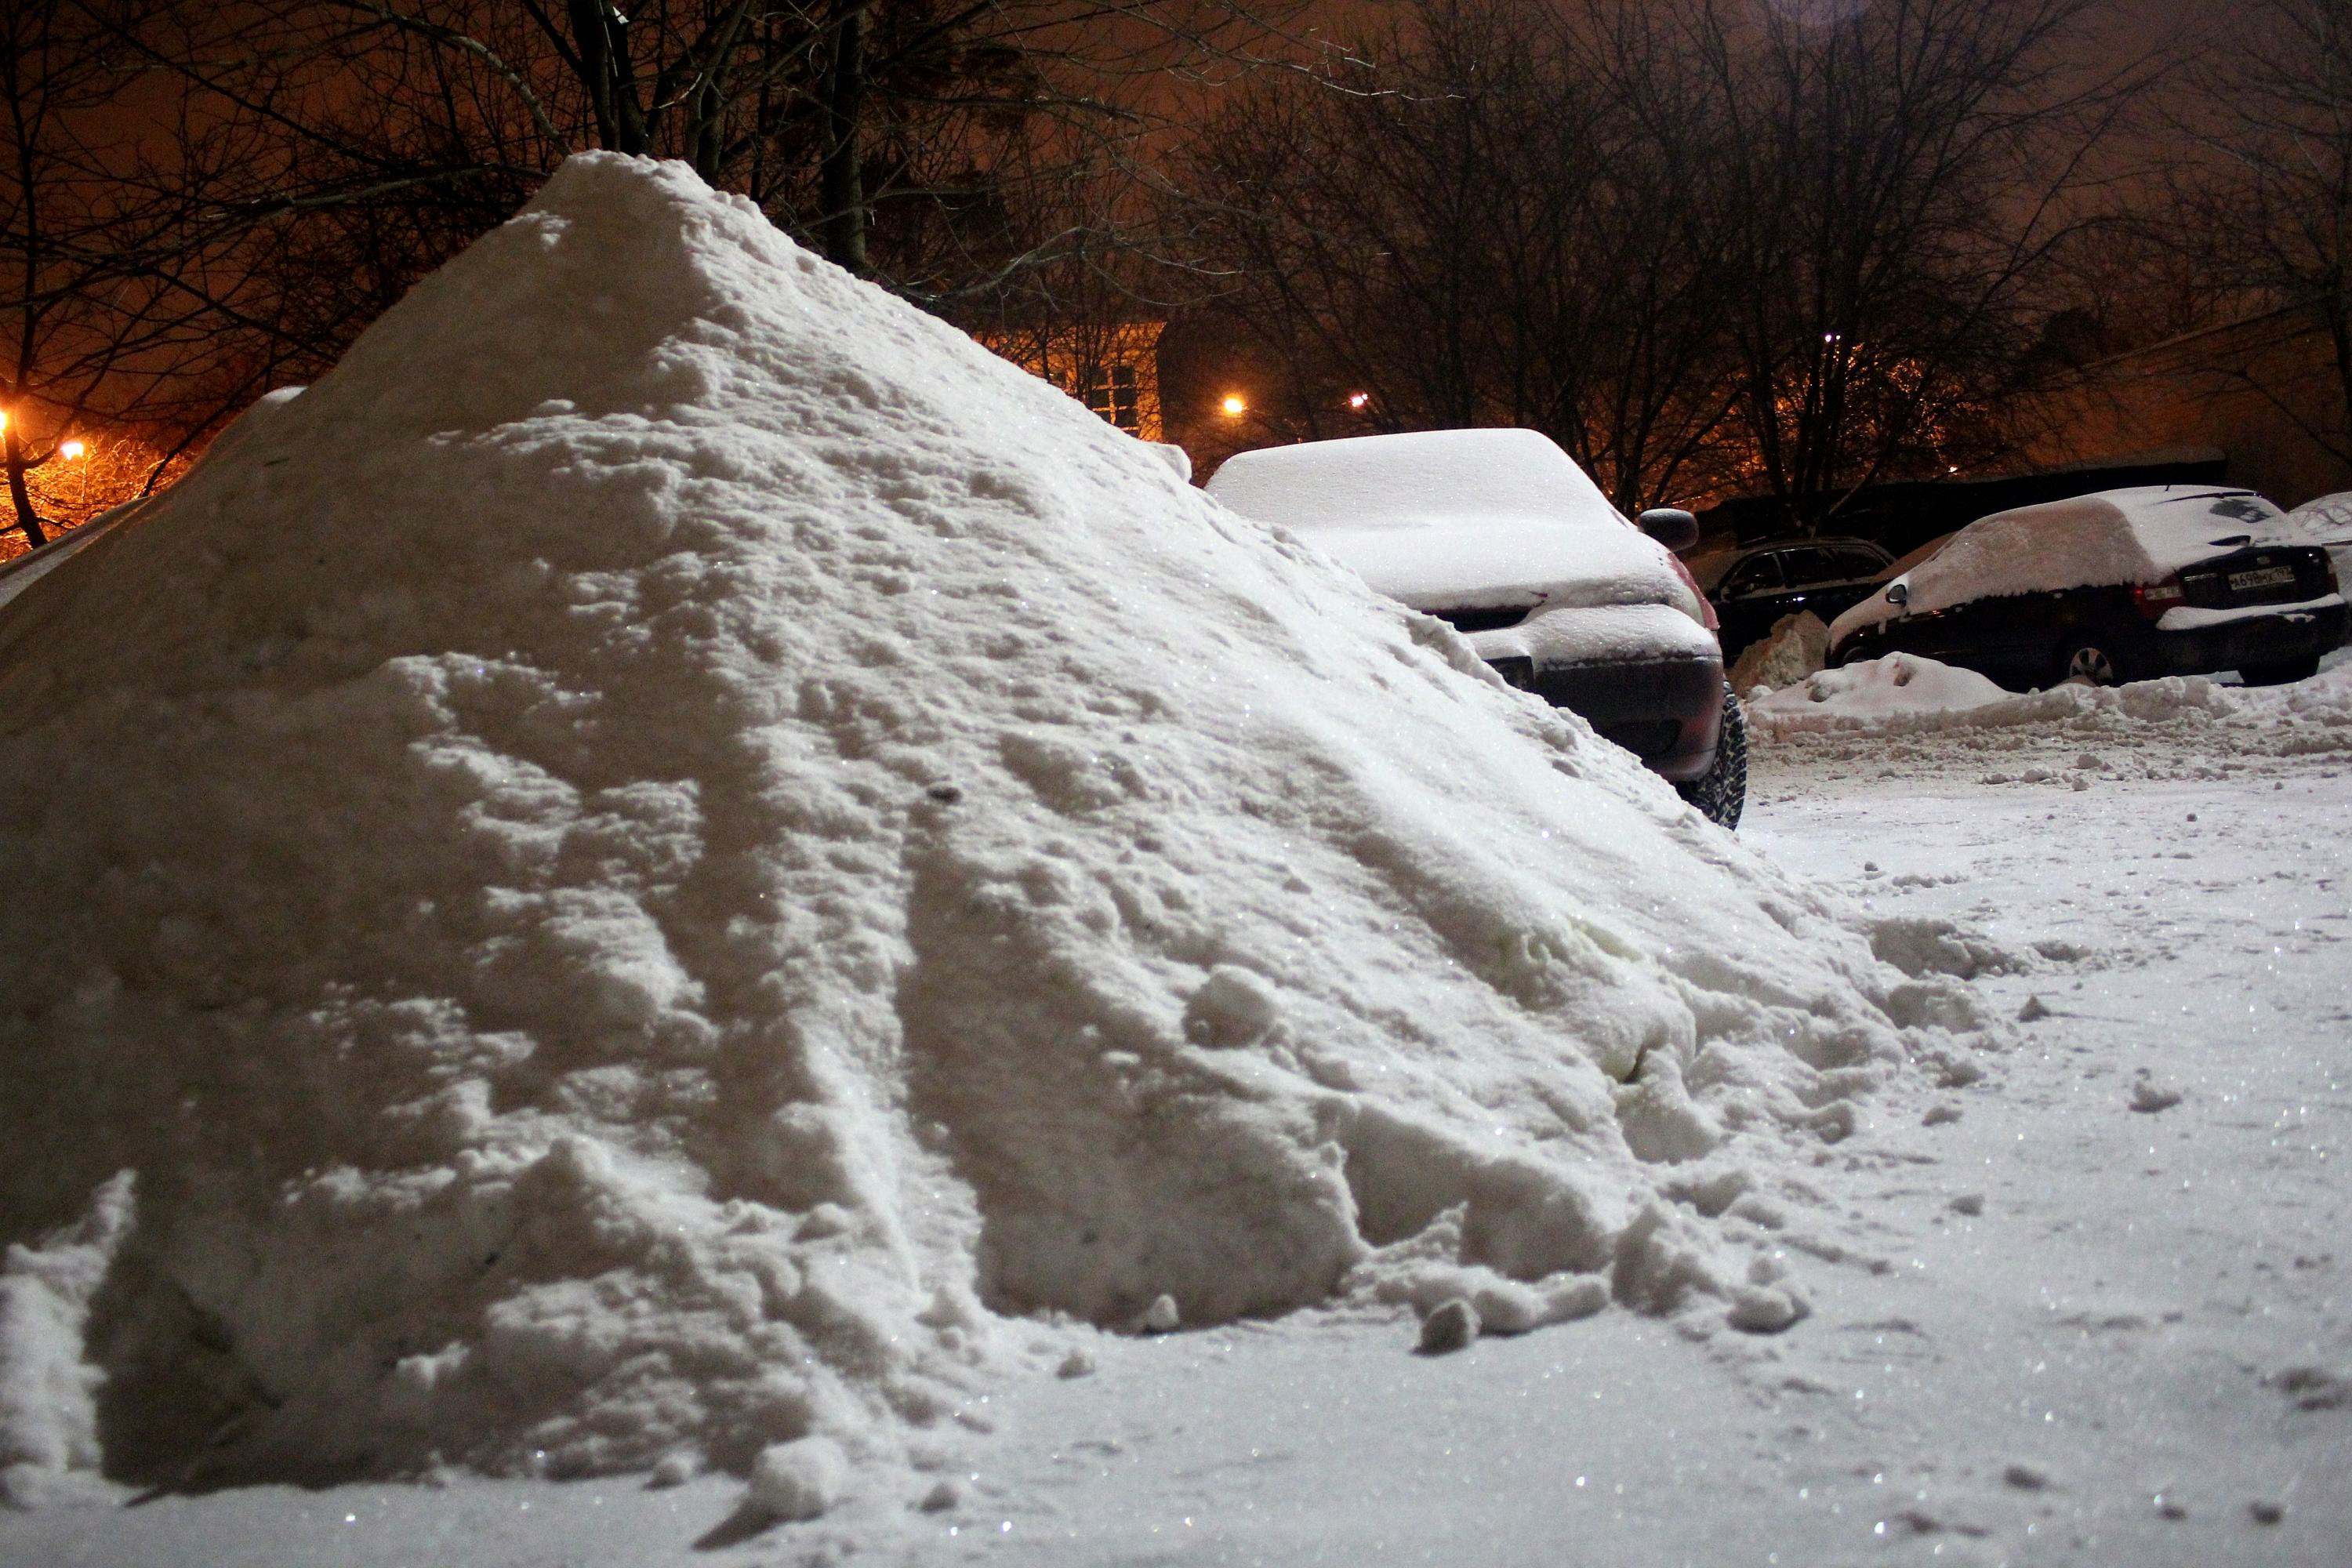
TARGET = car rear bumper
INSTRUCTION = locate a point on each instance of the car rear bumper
(2256, 639)
(1668, 713)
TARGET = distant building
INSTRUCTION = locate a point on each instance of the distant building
(1113, 368)
(2264, 390)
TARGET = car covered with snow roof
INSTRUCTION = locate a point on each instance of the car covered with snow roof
(1499, 533)
(2123, 585)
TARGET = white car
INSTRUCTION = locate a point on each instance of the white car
(1501, 534)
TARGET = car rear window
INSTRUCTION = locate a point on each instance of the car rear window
(1758, 573)
(1809, 565)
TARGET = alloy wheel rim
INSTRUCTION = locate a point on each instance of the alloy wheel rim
(2092, 665)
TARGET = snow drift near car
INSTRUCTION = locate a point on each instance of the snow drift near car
(622, 877)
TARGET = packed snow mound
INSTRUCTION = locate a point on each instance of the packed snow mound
(630, 873)
(1903, 694)
(1896, 684)
(1797, 646)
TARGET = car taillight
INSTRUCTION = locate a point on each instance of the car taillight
(2155, 598)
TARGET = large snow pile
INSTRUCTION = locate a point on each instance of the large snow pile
(2138, 535)
(620, 880)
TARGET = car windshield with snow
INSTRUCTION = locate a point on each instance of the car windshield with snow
(1501, 534)
(2125, 584)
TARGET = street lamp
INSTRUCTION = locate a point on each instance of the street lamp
(1234, 405)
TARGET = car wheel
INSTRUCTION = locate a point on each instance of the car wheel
(2279, 674)
(1721, 793)
(2090, 660)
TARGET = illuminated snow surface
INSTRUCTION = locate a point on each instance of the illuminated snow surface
(2049, 1327)
(676, 871)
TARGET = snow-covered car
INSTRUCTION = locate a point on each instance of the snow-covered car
(2125, 584)
(2327, 521)
(1499, 533)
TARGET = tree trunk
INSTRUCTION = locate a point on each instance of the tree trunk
(28, 521)
(600, 36)
(841, 177)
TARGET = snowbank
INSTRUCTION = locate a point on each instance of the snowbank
(1905, 694)
(1899, 685)
(620, 880)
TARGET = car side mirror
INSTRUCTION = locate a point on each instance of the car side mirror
(1898, 593)
(1671, 526)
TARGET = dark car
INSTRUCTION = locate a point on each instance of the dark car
(2121, 586)
(1499, 533)
(1753, 589)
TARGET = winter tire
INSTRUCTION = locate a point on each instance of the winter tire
(1720, 793)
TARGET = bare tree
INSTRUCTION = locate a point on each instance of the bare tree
(1704, 245)
(1902, 173)
(872, 131)
(1472, 218)
(2263, 210)
(117, 274)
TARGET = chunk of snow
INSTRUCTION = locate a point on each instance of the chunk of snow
(1797, 646)
(799, 1480)
(47, 1379)
(1451, 1327)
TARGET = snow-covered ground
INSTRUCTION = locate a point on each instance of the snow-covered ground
(2093, 1307)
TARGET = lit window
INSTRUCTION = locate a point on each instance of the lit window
(1111, 394)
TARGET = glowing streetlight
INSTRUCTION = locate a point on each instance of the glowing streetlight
(1359, 399)
(1233, 405)
(69, 450)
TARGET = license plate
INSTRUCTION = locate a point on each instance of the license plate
(2266, 577)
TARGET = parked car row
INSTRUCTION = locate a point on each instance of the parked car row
(1500, 533)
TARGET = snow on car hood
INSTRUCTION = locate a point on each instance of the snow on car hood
(1445, 520)
(2126, 536)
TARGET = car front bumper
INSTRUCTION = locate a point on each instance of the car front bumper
(1668, 713)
